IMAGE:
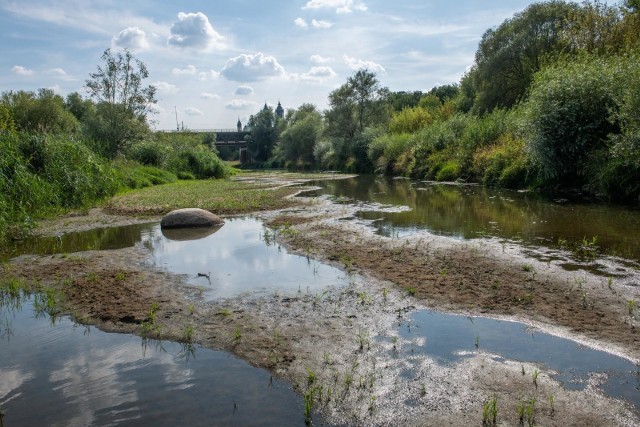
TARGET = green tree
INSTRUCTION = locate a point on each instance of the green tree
(123, 103)
(356, 107)
(79, 106)
(568, 117)
(43, 111)
(264, 134)
(595, 27)
(298, 140)
(509, 55)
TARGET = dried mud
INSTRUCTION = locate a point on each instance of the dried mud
(338, 348)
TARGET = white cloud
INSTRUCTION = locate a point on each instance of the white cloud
(194, 31)
(240, 104)
(358, 64)
(315, 74)
(301, 23)
(207, 95)
(318, 59)
(341, 6)
(251, 68)
(165, 87)
(132, 38)
(22, 71)
(244, 90)
(157, 109)
(60, 74)
(202, 76)
(188, 70)
(193, 112)
(321, 24)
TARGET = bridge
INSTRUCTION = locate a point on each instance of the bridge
(224, 137)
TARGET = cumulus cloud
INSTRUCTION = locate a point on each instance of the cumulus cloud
(358, 64)
(244, 90)
(193, 112)
(194, 31)
(323, 25)
(300, 23)
(165, 87)
(22, 71)
(341, 6)
(132, 38)
(189, 70)
(315, 74)
(240, 104)
(318, 59)
(251, 68)
(207, 95)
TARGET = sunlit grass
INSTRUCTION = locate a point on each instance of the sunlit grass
(222, 197)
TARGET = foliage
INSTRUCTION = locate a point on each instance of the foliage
(6, 119)
(509, 56)
(43, 111)
(133, 175)
(298, 140)
(385, 151)
(264, 134)
(122, 102)
(41, 174)
(568, 117)
(410, 120)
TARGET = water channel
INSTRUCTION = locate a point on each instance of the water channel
(88, 376)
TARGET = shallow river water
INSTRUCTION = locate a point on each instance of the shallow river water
(75, 375)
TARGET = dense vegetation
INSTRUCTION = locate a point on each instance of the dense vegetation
(552, 102)
(60, 154)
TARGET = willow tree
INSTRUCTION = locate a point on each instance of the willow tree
(122, 101)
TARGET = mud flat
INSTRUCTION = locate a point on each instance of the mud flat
(342, 346)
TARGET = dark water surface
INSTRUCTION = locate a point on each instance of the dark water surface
(470, 211)
(69, 375)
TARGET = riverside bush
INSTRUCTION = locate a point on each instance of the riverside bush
(41, 174)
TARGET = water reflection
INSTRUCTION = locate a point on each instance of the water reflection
(468, 211)
(242, 256)
(62, 375)
(448, 338)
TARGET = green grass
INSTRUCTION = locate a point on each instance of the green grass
(222, 197)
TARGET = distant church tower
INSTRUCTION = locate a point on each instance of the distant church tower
(280, 111)
(239, 125)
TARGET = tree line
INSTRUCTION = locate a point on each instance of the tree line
(69, 153)
(552, 101)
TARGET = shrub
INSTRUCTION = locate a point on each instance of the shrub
(567, 117)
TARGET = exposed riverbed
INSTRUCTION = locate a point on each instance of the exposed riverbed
(363, 344)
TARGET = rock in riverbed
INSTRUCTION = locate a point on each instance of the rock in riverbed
(190, 218)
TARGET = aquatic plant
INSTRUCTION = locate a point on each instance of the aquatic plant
(187, 333)
(490, 411)
(534, 375)
(610, 283)
(411, 291)
(309, 400)
(423, 390)
(385, 293)
(527, 267)
(121, 276)
(530, 412)
(552, 406)
(477, 343)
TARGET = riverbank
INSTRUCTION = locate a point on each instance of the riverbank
(338, 347)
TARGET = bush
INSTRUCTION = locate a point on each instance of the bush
(450, 171)
(41, 174)
(132, 175)
(150, 153)
(567, 117)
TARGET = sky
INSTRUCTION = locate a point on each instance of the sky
(214, 62)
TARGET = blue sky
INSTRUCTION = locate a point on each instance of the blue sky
(215, 61)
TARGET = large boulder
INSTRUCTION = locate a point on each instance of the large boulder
(190, 218)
